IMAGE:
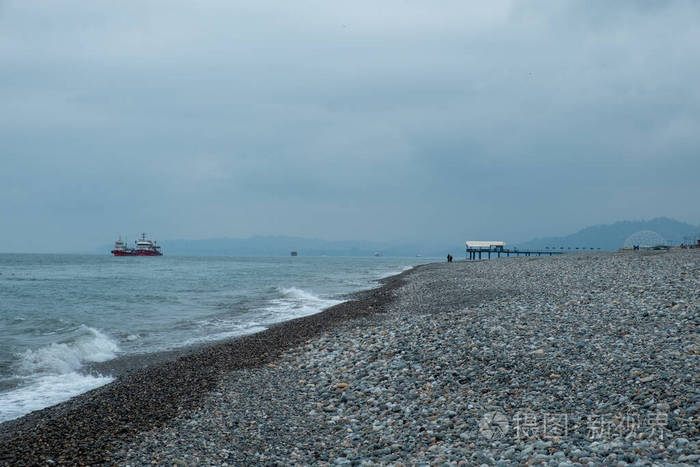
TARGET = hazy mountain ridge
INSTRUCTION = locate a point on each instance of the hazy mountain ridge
(605, 237)
(612, 236)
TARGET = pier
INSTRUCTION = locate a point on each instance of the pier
(477, 247)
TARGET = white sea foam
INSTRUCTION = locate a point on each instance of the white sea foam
(61, 358)
(232, 330)
(51, 375)
(293, 303)
(296, 303)
(45, 391)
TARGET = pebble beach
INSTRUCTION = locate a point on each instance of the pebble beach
(582, 359)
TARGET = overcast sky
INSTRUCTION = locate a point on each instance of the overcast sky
(392, 120)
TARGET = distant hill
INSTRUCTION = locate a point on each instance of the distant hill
(282, 246)
(605, 237)
(613, 236)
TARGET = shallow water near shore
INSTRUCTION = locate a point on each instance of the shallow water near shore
(61, 313)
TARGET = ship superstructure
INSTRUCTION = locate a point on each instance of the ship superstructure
(144, 247)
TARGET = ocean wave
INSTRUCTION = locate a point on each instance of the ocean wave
(292, 302)
(233, 330)
(50, 374)
(295, 303)
(61, 358)
(46, 391)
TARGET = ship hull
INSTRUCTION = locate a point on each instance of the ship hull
(136, 253)
(123, 253)
(148, 253)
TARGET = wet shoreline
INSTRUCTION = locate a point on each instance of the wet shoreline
(86, 428)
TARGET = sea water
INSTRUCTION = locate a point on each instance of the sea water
(59, 313)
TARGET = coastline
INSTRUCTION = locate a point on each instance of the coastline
(575, 360)
(123, 365)
(87, 427)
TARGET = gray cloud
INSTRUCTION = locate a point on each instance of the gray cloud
(405, 120)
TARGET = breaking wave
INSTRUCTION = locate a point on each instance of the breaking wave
(62, 358)
(51, 375)
(45, 391)
(295, 303)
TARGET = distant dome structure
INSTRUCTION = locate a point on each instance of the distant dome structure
(644, 239)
